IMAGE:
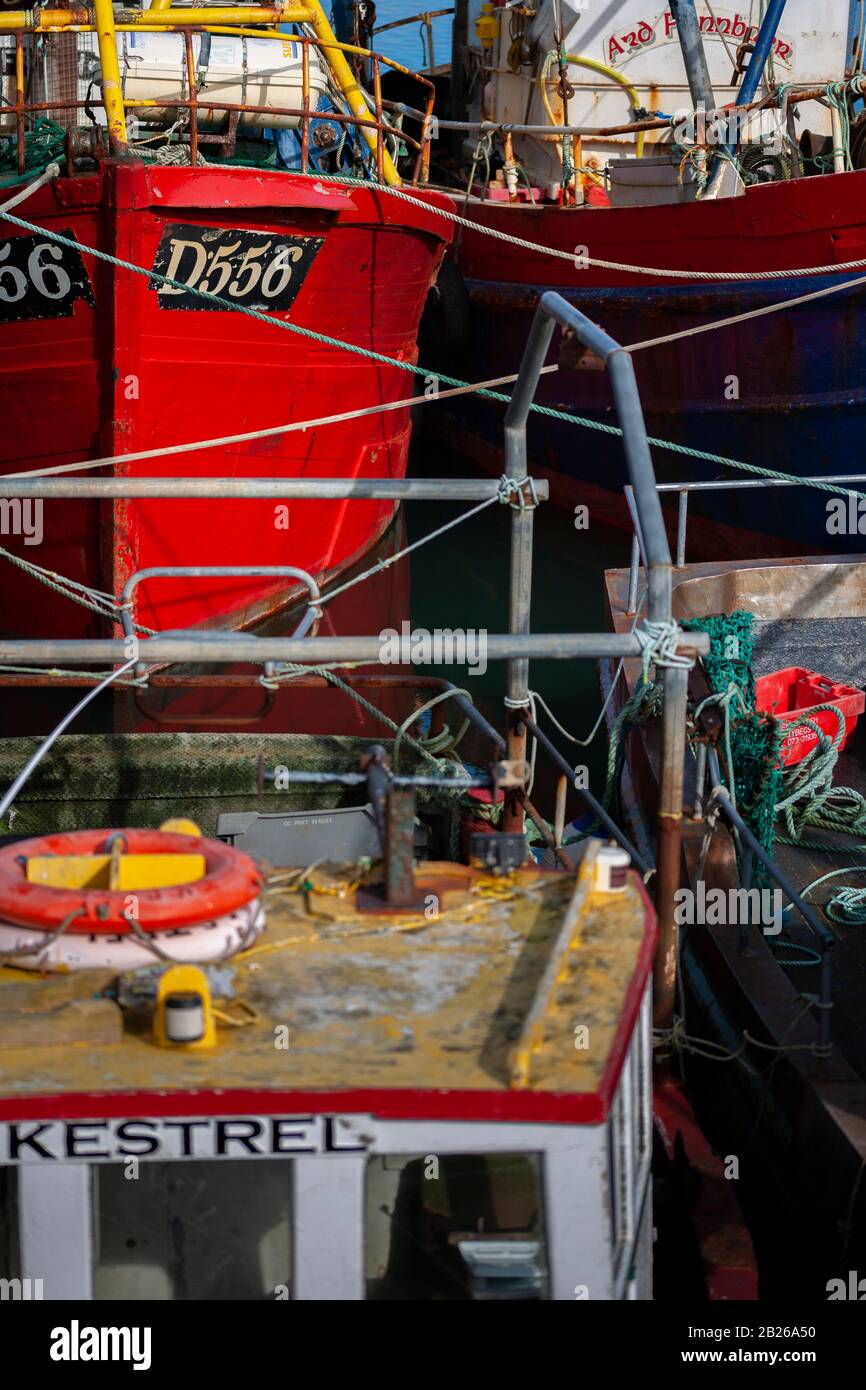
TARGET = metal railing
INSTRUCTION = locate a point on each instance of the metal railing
(426, 18)
(516, 647)
(708, 756)
(713, 485)
(377, 126)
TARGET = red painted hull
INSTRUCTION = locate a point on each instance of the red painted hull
(120, 373)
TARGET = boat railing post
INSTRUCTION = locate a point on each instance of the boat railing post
(520, 582)
(633, 574)
(682, 526)
(192, 83)
(305, 102)
(645, 504)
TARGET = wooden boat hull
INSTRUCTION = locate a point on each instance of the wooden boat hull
(786, 390)
(116, 365)
(799, 1119)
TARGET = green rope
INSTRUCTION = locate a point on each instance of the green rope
(810, 801)
(847, 906)
(43, 145)
(752, 739)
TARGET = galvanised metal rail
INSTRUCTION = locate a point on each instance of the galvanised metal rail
(516, 647)
(722, 798)
(711, 485)
(553, 309)
(752, 846)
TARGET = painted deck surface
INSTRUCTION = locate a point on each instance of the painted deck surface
(370, 1003)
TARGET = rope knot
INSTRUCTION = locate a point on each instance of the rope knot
(513, 491)
(659, 644)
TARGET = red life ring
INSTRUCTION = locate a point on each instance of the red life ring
(231, 881)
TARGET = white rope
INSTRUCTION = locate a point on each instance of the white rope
(48, 742)
(250, 435)
(50, 172)
(659, 643)
(626, 268)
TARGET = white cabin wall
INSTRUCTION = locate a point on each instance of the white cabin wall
(638, 39)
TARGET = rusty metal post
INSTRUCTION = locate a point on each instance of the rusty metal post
(377, 99)
(305, 100)
(400, 847)
(19, 100)
(193, 97)
(676, 684)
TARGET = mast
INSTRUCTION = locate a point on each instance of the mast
(694, 57)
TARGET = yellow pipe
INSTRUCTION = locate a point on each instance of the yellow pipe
(160, 4)
(311, 14)
(348, 86)
(595, 66)
(80, 18)
(112, 89)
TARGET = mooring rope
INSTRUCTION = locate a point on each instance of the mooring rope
(372, 355)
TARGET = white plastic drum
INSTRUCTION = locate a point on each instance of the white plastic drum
(196, 945)
(257, 72)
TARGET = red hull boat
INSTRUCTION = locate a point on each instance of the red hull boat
(98, 361)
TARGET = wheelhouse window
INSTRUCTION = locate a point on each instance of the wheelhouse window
(192, 1230)
(454, 1227)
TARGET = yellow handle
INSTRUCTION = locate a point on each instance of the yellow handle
(595, 66)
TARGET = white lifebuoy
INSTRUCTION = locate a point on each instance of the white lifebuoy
(202, 943)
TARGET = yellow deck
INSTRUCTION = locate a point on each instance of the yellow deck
(363, 1000)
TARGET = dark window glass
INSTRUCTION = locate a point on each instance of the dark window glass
(455, 1227)
(192, 1230)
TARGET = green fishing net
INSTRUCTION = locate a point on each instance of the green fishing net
(755, 738)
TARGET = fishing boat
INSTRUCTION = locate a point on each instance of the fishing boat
(594, 150)
(772, 1008)
(188, 284)
(426, 1138)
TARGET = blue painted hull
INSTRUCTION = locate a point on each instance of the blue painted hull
(786, 391)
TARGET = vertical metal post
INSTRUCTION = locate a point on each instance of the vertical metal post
(192, 82)
(19, 101)
(112, 89)
(399, 847)
(377, 101)
(520, 583)
(676, 684)
(682, 526)
(695, 59)
(751, 79)
(634, 571)
(305, 102)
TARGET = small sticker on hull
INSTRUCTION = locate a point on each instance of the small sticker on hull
(256, 270)
(41, 280)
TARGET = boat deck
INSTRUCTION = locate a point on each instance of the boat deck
(336, 1000)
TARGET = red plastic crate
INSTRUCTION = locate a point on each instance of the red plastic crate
(788, 694)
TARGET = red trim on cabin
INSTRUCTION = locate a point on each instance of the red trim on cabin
(388, 1103)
